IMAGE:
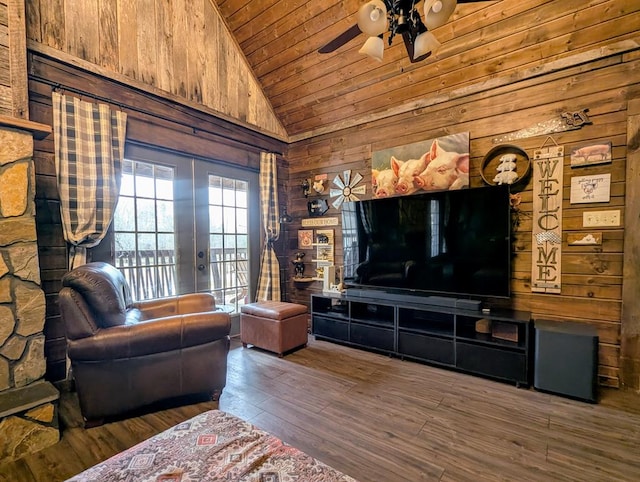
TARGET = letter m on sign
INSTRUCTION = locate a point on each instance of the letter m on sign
(546, 267)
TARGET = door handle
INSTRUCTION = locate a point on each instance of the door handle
(201, 256)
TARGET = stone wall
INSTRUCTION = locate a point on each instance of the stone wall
(28, 408)
(22, 302)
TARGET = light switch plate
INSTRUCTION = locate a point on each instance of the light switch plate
(591, 219)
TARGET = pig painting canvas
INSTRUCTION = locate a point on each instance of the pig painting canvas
(590, 154)
(434, 165)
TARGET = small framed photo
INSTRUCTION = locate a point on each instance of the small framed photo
(305, 238)
(590, 154)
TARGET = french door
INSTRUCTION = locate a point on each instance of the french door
(185, 225)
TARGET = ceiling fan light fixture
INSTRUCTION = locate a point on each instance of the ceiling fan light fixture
(373, 47)
(435, 5)
(425, 43)
(372, 18)
(437, 12)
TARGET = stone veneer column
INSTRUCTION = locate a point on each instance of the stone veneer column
(28, 411)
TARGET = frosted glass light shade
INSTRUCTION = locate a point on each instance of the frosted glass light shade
(432, 3)
(374, 48)
(425, 42)
(436, 13)
(372, 18)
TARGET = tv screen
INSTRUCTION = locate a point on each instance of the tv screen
(446, 242)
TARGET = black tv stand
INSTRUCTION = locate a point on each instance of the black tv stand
(415, 328)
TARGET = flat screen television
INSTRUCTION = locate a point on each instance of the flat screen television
(454, 243)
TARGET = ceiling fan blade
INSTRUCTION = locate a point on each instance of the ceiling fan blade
(341, 39)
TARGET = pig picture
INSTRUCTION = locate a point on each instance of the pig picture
(384, 182)
(591, 154)
(446, 170)
(436, 164)
(407, 172)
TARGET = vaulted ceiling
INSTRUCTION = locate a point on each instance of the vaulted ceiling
(313, 93)
(182, 49)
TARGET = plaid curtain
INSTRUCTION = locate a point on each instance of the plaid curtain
(269, 280)
(89, 147)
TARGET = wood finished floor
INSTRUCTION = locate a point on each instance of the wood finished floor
(382, 419)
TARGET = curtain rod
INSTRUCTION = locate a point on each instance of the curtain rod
(57, 86)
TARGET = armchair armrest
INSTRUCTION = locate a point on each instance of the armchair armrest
(151, 337)
(176, 305)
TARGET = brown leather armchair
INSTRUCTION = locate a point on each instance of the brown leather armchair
(127, 355)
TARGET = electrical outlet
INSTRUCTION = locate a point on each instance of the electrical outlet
(593, 219)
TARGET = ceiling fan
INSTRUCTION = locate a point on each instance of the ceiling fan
(398, 17)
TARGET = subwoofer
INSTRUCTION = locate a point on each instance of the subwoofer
(566, 359)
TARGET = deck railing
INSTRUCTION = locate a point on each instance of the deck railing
(152, 274)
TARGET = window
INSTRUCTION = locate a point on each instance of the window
(229, 241)
(144, 230)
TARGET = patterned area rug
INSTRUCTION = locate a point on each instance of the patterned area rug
(213, 446)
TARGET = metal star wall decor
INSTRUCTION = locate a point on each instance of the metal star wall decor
(347, 188)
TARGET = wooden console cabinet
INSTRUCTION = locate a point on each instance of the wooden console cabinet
(439, 335)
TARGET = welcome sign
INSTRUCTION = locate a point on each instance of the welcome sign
(547, 220)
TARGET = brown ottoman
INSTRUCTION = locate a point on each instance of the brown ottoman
(273, 325)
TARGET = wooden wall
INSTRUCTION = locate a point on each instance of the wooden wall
(13, 60)
(153, 121)
(6, 104)
(181, 49)
(591, 275)
(630, 339)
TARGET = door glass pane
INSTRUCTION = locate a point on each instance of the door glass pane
(215, 219)
(215, 191)
(123, 221)
(146, 214)
(164, 183)
(229, 275)
(229, 219)
(143, 180)
(242, 190)
(165, 216)
(242, 241)
(144, 230)
(241, 221)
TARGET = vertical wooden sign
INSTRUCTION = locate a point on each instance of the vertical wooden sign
(546, 259)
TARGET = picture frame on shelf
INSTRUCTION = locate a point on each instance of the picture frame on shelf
(305, 238)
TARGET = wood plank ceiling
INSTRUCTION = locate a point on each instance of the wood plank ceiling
(311, 92)
(316, 93)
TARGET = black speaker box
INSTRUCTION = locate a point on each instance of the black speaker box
(566, 359)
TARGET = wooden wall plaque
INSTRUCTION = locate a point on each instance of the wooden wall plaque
(546, 257)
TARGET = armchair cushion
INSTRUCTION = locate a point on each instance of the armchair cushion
(152, 336)
(177, 305)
